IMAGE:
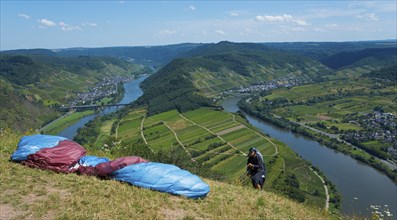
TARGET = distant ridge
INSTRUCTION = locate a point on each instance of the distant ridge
(154, 56)
(343, 59)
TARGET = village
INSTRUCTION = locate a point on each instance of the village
(106, 88)
(378, 126)
(287, 81)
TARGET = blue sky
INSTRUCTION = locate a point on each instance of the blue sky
(63, 24)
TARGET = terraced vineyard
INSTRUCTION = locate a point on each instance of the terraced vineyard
(221, 141)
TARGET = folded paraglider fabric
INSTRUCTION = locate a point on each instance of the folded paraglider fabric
(88, 163)
(163, 177)
(60, 158)
(31, 144)
(105, 168)
(62, 155)
(89, 160)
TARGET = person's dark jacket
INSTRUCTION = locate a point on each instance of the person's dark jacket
(257, 163)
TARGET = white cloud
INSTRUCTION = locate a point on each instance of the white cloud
(67, 27)
(89, 24)
(220, 32)
(192, 7)
(47, 22)
(368, 17)
(24, 16)
(234, 14)
(121, 2)
(281, 19)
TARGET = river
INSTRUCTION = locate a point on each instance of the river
(359, 184)
(132, 93)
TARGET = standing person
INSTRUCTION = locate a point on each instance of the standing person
(256, 168)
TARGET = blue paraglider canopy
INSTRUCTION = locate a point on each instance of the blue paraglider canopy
(62, 155)
(163, 177)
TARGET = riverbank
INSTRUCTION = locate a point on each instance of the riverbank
(64, 121)
(322, 138)
(360, 185)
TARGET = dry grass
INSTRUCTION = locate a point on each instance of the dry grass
(38, 194)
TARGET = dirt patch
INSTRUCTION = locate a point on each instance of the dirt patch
(238, 127)
(9, 212)
(179, 124)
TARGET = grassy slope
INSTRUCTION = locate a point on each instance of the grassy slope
(229, 158)
(37, 194)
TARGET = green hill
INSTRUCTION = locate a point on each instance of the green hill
(30, 84)
(389, 73)
(379, 57)
(36, 194)
(213, 68)
(20, 113)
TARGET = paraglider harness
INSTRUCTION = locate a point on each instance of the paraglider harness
(256, 168)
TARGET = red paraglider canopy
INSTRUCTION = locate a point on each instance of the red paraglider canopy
(60, 158)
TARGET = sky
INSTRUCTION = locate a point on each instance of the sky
(64, 24)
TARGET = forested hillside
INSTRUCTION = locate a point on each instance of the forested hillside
(371, 56)
(30, 84)
(389, 73)
(212, 68)
(172, 88)
(20, 113)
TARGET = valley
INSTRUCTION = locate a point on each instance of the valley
(198, 110)
(178, 118)
(37, 85)
(360, 112)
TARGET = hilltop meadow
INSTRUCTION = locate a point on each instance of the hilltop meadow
(38, 194)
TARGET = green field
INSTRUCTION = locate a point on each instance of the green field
(218, 139)
(332, 101)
